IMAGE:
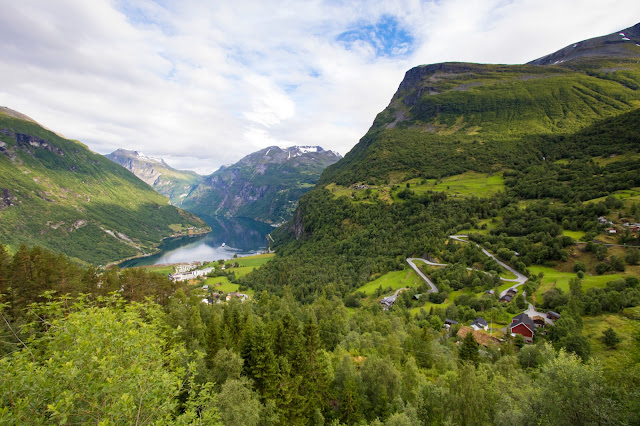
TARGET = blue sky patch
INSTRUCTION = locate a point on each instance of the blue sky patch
(387, 37)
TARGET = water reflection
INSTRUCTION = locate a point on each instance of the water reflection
(228, 237)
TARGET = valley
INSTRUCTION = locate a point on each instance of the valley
(474, 259)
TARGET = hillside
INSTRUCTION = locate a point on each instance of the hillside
(559, 134)
(265, 185)
(175, 184)
(58, 194)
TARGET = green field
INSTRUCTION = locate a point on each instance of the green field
(611, 359)
(395, 280)
(256, 260)
(627, 195)
(553, 278)
(225, 286)
(576, 235)
(463, 185)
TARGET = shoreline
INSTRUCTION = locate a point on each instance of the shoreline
(157, 249)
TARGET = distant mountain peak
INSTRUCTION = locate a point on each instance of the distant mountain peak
(264, 185)
(15, 114)
(620, 44)
(157, 173)
(137, 154)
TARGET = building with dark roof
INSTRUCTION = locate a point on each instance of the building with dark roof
(523, 325)
(479, 323)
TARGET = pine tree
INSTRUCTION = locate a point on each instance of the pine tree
(263, 363)
(610, 338)
(213, 343)
(5, 264)
(469, 348)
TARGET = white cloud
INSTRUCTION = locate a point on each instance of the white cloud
(203, 84)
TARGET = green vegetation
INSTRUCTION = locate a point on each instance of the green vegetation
(275, 360)
(168, 181)
(268, 183)
(391, 281)
(556, 279)
(58, 194)
(222, 284)
(254, 261)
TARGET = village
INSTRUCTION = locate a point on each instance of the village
(212, 293)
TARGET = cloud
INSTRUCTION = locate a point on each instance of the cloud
(203, 84)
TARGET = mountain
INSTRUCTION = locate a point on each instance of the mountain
(516, 149)
(166, 180)
(621, 44)
(58, 194)
(265, 185)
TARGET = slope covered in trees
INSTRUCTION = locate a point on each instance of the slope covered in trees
(562, 134)
(60, 195)
(264, 185)
(100, 357)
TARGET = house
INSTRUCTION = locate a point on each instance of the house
(183, 267)
(603, 220)
(491, 292)
(611, 231)
(523, 325)
(506, 298)
(186, 276)
(480, 323)
(240, 296)
(449, 322)
(539, 321)
(388, 302)
(554, 316)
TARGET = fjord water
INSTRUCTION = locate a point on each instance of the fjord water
(241, 236)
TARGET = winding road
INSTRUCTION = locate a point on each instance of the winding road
(519, 280)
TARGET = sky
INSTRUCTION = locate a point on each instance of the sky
(203, 83)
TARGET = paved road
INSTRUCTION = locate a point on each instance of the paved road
(519, 280)
(410, 261)
(531, 312)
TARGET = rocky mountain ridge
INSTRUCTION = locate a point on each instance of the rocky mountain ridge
(155, 172)
(264, 185)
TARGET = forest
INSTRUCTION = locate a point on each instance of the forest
(129, 346)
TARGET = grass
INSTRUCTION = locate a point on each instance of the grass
(256, 260)
(160, 269)
(394, 279)
(627, 195)
(611, 359)
(463, 185)
(553, 278)
(608, 160)
(225, 285)
(576, 235)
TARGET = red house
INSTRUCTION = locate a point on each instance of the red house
(523, 325)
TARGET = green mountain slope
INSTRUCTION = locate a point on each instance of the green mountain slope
(58, 194)
(546, 131)
(265, 185)
(175, 184)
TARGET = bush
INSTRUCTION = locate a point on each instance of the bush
(602, 267)
(437, 298)
(579, 267)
